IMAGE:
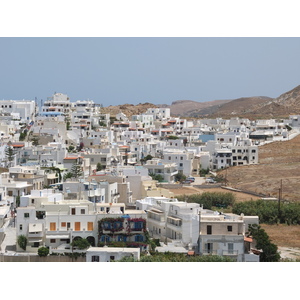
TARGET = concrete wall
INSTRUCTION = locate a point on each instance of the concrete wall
(31, 258)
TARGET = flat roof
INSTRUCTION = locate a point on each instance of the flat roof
(112, 249)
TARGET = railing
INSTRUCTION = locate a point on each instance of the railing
(209, 252)
(230, 252)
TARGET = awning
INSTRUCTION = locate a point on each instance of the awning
(57, 236)
(156, 211)
(35, 227)
(175, 219)
(248, 239)
(35, 241)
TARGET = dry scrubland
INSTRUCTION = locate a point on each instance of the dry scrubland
(277, 161)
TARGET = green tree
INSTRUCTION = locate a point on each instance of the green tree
(76, 170)
(22, 241)
(269, 250)
(99, 167)
(35, 140)
(80, 243)
(210, 199)
(180, 177)
(71, 149)
(157, 177)
(9, 154)
(144, 160)
(43, 251)
(172, 137)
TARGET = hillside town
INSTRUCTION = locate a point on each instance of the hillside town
(72, 174)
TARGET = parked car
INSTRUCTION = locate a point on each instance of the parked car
(210, 180)
(192, 179)
(186, 182)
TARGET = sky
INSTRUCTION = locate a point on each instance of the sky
(159, 70)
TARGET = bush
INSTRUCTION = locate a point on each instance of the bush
(43, 251)
(81, 243)
(268, 212)
(210, 199)
(22, 241)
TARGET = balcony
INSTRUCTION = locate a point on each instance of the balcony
(230, 252)
(210, 252)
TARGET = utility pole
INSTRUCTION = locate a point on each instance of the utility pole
(279, 199)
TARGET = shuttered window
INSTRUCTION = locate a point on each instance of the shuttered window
(52, 226)
(77, 226)
(90, 226)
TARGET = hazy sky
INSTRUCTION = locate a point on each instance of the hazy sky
(158, 70)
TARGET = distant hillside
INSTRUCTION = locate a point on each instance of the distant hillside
(247, 107)
(242, 107)
(128, 109)
(188, 107)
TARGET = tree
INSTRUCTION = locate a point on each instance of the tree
(80, 243)
(148, 157)
(10, 154)
(43, 251)
(76, 170)
(172, 137)
(35, 140)
(180, 177)
(269, 250)
(22, 241)
(157, 177)
(99, 167)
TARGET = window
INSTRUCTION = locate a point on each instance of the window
(209, 229)
(63, 224)
(90, 226)
(82, 211)
(21, 227)
(26, 215)
(77, 226)
(73, 211)
(230, 248)
(208, 247)
(52, 226)
(52, 241)
(229, 228)
(138, 238)
(95, 258)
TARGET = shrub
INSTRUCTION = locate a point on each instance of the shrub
(43, 251)
(22, 241)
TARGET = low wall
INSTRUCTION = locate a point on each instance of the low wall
(35, 258)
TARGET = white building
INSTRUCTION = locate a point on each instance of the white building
(108, 254)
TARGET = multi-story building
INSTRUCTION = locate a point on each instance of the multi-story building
(168, 171)
(225, 235)
(46, 219)
(203, 231)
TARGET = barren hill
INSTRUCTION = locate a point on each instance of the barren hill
(241, 107)
(128, 109)
(247, 107)
(186, 108)
(277, 160)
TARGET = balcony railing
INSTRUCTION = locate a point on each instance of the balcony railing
(230, 252)
(209, 252)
